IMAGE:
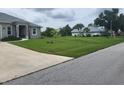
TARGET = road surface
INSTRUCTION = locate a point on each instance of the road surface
(102, 67)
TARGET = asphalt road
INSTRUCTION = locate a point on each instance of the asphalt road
(102, 67)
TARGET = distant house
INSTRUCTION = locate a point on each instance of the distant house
(77, 32)
(93, 31)
(13, 26)
(96, 30)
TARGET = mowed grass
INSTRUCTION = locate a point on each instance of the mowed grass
(69, 46)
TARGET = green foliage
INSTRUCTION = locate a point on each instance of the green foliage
(10, 38)
(65, 31)
(50, 32)
(90, 24)
(86, 29)
(78, 26)
(108, 19)
(121, 22)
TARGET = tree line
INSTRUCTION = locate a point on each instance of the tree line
(64, 31)
(110, 19)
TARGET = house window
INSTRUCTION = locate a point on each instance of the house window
(34, 31)
(4, 28)
(9, 30)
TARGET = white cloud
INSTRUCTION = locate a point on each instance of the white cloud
(55, 17)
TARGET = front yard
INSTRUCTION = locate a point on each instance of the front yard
(69, 46)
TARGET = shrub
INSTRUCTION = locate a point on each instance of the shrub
(88, 35)
(96, 35)
(42, 37)
(10, 38)
(50, 32)
(50, 42)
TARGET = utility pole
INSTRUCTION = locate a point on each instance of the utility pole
(111, 28)
(112, 32)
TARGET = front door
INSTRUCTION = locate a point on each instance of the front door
(22, 31)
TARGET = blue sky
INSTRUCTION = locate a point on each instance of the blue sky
(56, 17)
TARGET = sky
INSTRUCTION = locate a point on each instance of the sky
(56, 17)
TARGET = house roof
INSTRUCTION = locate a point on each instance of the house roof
(96, 29)
(5, 18)
(76, 30)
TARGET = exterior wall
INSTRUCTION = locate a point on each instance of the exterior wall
(0, 31)
(15, 31)
(95, 34)
(75, 34)
(86, 34)
(38, 32)
(3, 30)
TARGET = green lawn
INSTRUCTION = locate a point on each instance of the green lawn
(69, 46)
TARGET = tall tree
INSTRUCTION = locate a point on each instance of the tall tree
(90, 24)
(121, 22)
(86, 29)
(108, 19)
(65, 31)
(78, 26)
(49, 32)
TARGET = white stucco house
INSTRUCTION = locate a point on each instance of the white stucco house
(77, 32)
(13, 26)
(93, 31)
(96, 30)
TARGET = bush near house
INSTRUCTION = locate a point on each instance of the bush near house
(10, 38)
(49, 32)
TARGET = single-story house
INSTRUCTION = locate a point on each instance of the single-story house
(77, 32)
(13, 26)
(93, 31)
(96, 30)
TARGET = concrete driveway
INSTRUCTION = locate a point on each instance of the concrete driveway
(16, 61)
(102, 67)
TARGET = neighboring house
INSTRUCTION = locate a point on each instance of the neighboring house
(77, 32)
(93, 31)
(13, 26)
(96, 30)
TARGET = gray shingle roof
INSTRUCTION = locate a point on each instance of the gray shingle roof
(76, 30)
(5, 18)
(96, 29)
